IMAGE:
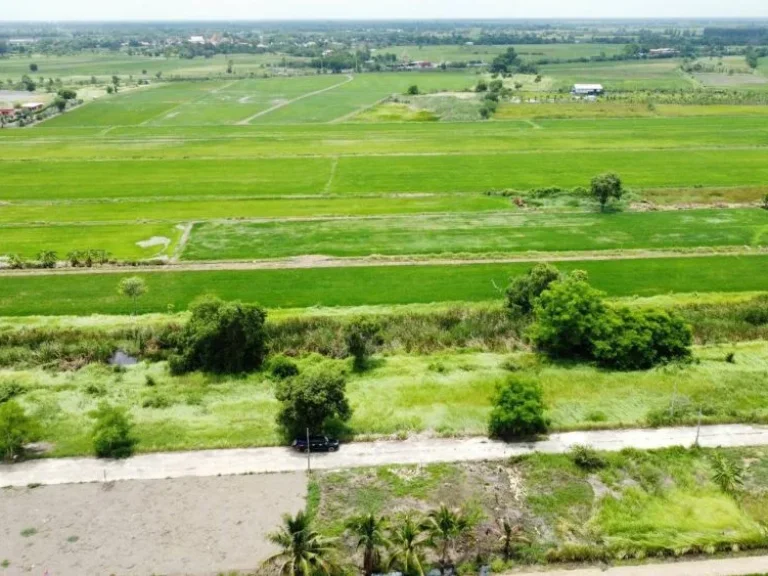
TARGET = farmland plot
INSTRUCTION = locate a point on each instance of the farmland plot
(479, 234)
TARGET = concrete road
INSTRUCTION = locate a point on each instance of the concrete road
(353, 455)
(721, 567)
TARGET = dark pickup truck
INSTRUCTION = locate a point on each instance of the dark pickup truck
(316, 444)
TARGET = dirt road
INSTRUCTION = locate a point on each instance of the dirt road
(320, 261)
(264, 460)
(182, 526)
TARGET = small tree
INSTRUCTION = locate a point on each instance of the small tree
(445, 528)
(413, 90)
(524, 291)
(60, 103)
(33, 67)
(16, 429)
(371, 537)
(606, 187)
(112, 432)
(518, 410)
(727, 474)
(221, 337)
(311, 399)
(362, 337)
(303, 551)
(765, 202)
(510, 535)
(133, 288)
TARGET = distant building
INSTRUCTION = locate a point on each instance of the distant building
(21, 41)
(33, 106)
(587, 89)
(197, 39)
(7, 111)
(662, 52)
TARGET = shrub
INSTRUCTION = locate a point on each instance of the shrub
(362, 336)
(112, 432)
(312, 399)
(221, 337)
(587, 458)
(730, 358)
(727, 474)
(282, 367)
(9, 390)
(156, 400)
(524, 290)
(16, 429)
(518, 410)
(413, 90)
(640, 339)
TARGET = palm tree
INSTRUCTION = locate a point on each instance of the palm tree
(370, 533)
(727, 474)
(445, 527)
(304, 551)
(407, 542)
(509, 535)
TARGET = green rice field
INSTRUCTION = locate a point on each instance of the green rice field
(479, 234)
(67, 294)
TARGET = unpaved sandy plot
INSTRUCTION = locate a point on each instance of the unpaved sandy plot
(185, 526)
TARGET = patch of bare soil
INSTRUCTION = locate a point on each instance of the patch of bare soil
(191, 526)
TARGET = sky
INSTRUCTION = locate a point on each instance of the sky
(53, 10)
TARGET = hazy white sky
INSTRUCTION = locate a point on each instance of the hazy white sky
(374, 9)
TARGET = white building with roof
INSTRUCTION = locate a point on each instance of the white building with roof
(587, 89)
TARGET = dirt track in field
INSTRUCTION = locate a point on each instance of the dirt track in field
(320, 261)
(191, 526)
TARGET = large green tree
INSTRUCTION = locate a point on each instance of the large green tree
(606, 187)
(570, 317)
(524, 290)
(222, 337)
(312, 399)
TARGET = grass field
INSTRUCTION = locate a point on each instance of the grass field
(279, 100)
(123, 242)
(636, 505)
(479, 234)
(445, 393)
(143, 178)
(297, 288)
(529, 52)
(105, 65)
(662, 74)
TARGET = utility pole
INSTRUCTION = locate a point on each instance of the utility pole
(698, 430)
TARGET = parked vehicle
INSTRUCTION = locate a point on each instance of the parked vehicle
(316, 444)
